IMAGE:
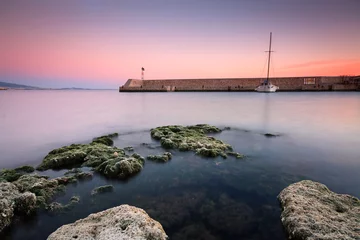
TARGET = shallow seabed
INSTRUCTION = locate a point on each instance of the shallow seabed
(199, 198)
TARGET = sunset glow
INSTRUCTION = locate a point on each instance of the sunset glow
(103, 43)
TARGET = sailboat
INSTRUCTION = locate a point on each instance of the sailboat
(267, 86)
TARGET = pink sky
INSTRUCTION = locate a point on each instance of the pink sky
(105, 45)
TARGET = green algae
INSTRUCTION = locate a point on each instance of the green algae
(129, 149)
(121, 167)
(236, 155)
(43, 188)
(160, 158)
(102, 189)
(106, 139)
(192, 138)
(25, 169)
(10, 175)
(98, 151)
(56, 207)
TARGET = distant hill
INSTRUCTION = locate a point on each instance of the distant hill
(17, 86)
(26, 87)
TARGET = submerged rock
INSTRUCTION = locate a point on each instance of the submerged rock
(236, 155)
(102, 189)
(122, 222)
(160, 158)
(229, 216)
(270, 135)
(56, 207)
(311, 211)
(192, 138)
(77, 173)
(129, 149)
(13, 202)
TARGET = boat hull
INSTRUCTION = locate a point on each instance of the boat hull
(267, 88)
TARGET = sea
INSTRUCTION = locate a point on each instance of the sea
(318, 138)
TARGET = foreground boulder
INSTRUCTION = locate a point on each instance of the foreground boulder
(13, 202)
(122, 222)
(192, 138)
(311, 211)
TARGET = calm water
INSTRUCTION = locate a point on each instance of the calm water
(192, 197)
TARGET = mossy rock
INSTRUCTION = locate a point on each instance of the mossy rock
(98, 151)
(121, 167)
(9, 175)
(63, 157)
(25, 169)
(236, 155)
(106, 140)
(160, 158)
(41, 186)
(192, 138)
(102, 189)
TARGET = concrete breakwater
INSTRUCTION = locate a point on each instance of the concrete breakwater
(318, 83)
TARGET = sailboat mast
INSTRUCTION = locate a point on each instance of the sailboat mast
(267, 77)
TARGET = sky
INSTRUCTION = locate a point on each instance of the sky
(101, 44)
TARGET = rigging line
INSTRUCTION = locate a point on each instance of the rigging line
(272, 65)
(263, 70)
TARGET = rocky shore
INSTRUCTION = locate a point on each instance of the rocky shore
(310, 210)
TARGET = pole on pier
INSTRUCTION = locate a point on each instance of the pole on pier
(142, 73)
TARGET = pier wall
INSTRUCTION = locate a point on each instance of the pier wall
(321, 83)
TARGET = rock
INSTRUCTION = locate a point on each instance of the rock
(191, 138)
(237, 155)
(269, 135)
(129, 149)
(43, 188)
(234, 218)
(73, 171)
(25, 169)
(65, 180)
(75, 199)
(195, 231)
(56, 207)
(122, 222)
(160, 158)
(64, 157)
(83, 175)
(77, 173)
(121, 167)
(13, 202)
(311, 211)
(172, 210)
(9, 175)
(106, 140)
(102, 189)
(98, 151)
